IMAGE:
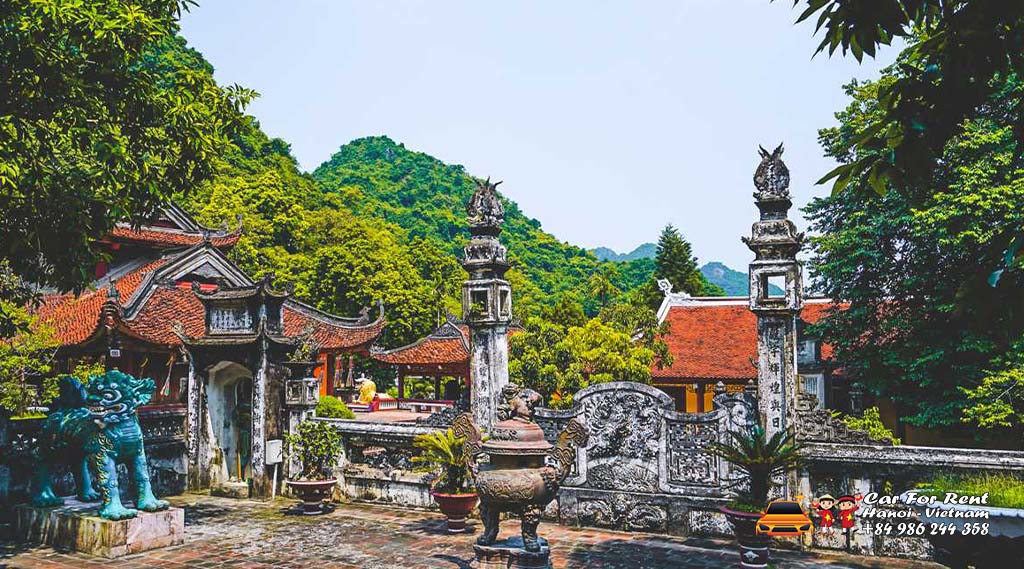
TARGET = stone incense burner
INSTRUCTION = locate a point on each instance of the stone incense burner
(516, 470)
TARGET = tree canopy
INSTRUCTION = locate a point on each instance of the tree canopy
(98, 124)
(959, 55)
(926, 342)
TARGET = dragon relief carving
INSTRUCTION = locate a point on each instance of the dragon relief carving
(624, 432)
(622, 512)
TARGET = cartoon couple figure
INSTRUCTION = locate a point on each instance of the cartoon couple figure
(826, 506)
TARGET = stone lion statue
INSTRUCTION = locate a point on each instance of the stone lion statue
(94, 427)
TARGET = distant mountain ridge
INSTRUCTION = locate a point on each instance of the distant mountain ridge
(734, 283)
(644, 251)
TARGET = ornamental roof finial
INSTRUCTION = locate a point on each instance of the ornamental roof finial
(772, 176)
(485, 209)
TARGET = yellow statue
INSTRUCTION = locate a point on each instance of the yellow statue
(367, 389)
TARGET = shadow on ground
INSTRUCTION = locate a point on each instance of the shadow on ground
(438, 527)
(199, 512)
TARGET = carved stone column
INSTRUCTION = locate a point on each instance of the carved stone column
(486, 303)
(300, 399)
(776, 293)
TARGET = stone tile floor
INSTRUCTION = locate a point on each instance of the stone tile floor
(221, 532)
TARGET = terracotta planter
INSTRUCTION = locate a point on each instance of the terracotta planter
(456, 507)
(754, 550)
(313, 493)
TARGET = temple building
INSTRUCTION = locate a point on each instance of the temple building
(714, 339)
(442, 358)
(170, 305)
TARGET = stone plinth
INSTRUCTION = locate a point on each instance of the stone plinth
(238, 490)
(509, 554)
(76, 526)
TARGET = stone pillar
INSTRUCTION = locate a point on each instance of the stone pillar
(775, 243)
(486, 303)
(300, 399)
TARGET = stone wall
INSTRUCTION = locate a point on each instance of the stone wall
(376, 463)
(646, 466)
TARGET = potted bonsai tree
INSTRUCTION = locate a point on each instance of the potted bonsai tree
(452, 488)
(761, 459)
(317, 447)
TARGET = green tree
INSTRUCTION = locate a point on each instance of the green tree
(535, 359)
(557, 361)
(599, 352)
(567, 311)
(359, 262)
(675, 262)
(442, 274)
(25, 358)
(96, 128)
(601, 288)
(641, 323)
(923, 341)
(960, 54)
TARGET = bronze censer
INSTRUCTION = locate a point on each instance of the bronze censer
(519, 472)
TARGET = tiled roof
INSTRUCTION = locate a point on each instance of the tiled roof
(75, 319)
(329, 333)
(717, 339)
(171, 238)
(448, 345)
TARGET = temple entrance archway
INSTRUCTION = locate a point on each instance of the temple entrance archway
(229, 403)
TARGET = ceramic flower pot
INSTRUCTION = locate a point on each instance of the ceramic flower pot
(753, 546)
(312, 493)
(456, 507)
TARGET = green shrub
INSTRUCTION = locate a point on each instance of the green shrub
(871, 422)
(333, 408)
(317, 445)
(1004, 490)
(442, 452)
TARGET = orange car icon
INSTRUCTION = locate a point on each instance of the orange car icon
(784, 517)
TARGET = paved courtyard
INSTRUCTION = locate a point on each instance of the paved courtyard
(228, 533)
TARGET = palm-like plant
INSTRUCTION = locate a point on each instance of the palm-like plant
(442, 450)
(761, 458)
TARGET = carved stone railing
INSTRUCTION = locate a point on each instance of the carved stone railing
(825, 425)
(163, 427)
(884, 457)
(377, 462)
(386, 446)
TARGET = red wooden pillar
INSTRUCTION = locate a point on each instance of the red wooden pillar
(437, 387)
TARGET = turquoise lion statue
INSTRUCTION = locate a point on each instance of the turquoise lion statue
(93, 428)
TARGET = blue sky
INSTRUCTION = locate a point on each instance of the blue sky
(606, 120)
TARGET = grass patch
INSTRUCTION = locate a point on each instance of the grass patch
(1004, 490)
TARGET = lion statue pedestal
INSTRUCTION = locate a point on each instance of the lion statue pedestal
(77, 526)
(92, 428)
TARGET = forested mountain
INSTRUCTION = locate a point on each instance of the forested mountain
(377, 177)
(645, 251)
